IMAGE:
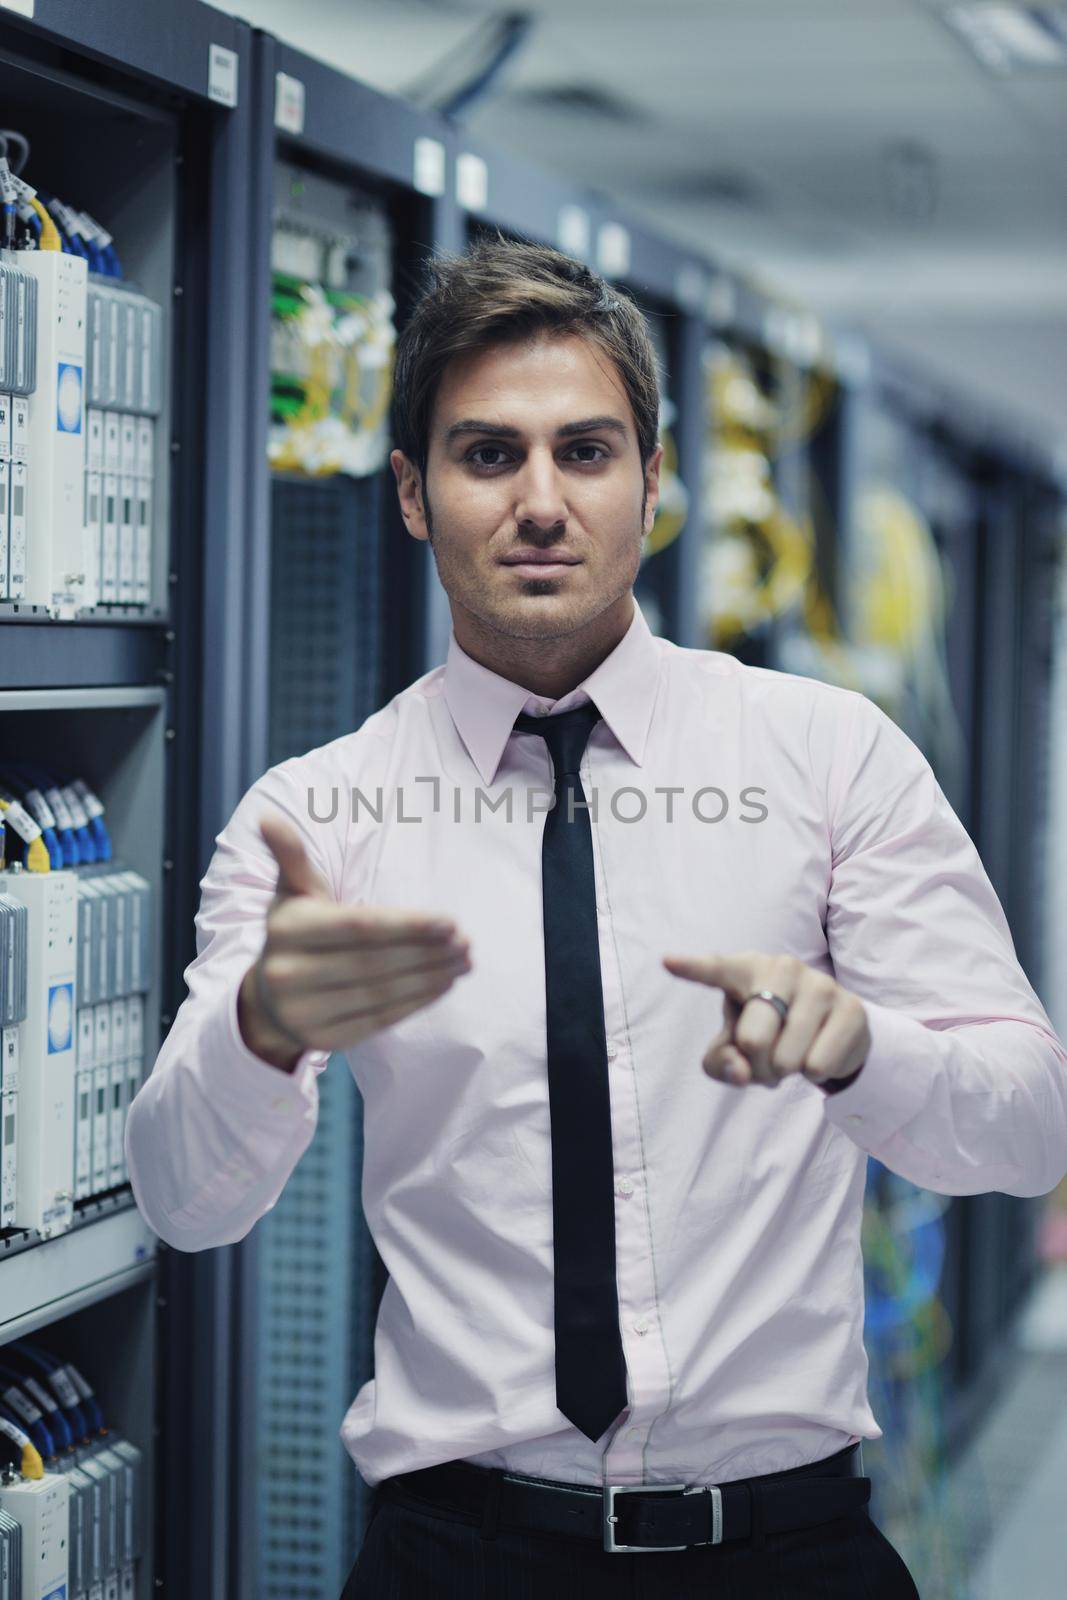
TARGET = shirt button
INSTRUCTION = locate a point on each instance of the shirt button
(282, 1105)
(612, 1049)
(633, 1433)
(854, 1116)
(641, 1326)
(625, 1188)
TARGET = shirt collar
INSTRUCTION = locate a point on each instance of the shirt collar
(483, 705)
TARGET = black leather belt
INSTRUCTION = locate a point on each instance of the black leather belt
(650, 1516)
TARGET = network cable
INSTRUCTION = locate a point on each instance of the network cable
(17, 1407)
(18, 819)
(30, 1463)
(55, 1421)
(59, 1382)
(39, 809)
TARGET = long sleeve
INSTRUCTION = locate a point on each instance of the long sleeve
(964, 1090)
(214, 1131)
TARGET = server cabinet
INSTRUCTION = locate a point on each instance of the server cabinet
(349, 194)
(134, 120)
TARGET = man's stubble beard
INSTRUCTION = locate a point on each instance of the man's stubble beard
(429, 517)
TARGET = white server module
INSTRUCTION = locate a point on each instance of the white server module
(57, 572)
(101, 1090)
(41, 1507)
(9, 1105)
(45, 1151)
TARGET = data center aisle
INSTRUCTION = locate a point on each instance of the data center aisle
(998, 1515)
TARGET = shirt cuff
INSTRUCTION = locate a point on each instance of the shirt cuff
(253, 1094)
(893, 1084)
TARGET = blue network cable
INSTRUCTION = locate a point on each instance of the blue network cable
(55, 1422)
(87, 1395)
(37, 1430)
(67, 836)
(62, 1386)
(95, 811)
(43, 779)
(39, 809)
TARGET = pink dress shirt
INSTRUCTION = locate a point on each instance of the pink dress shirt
(736, 808)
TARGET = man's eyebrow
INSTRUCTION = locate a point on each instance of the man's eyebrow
(567, 431)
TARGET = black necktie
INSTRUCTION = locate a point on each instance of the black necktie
(590, 1365)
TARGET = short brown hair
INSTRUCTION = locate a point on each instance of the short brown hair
(503, 290)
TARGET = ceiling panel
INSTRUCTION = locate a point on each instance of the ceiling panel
(854, 150)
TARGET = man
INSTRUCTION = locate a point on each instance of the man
(624, 1316)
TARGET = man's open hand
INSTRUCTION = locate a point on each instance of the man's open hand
(332, 974)
(825, 1036)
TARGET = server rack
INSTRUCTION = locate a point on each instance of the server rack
(136, 116)
(995, 510)
(790, 357)
(348, 610)
(670, 286)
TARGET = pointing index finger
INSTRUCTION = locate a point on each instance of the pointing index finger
(720, 972)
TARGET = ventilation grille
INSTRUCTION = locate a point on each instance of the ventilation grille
(320, 1276)
(326, 606)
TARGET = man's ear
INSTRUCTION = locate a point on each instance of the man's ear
(409, 493)
(652, 486)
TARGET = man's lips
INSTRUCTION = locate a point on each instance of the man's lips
(540, 563)
(541, 569)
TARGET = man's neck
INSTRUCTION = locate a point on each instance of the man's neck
(550, 668)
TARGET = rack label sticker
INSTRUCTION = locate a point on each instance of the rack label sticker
(429, 173)
(222, 75)
(23, 7)
(691, 287)
(573, 230)
(613, 249)
(288, 103)
(472, 182)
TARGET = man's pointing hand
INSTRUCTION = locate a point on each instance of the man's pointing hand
(825, 1035)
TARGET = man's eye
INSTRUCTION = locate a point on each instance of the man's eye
(494, 449)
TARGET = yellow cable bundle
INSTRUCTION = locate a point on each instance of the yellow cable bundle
(50, 239)
(773, 562)
(367, 417)
(37, 857)
(32, 1465)
(673, 507)
(902, 595)
(801, 422)
(793, 544)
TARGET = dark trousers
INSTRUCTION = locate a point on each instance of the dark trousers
(409, 1554)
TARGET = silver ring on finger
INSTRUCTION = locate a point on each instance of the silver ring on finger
(780, 1005)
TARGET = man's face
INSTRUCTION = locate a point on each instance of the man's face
(503, 476)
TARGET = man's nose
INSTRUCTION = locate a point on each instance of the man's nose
(541, 499)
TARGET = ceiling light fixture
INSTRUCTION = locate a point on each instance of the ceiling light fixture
(1007, 37)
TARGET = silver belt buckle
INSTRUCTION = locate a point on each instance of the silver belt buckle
(610, 1518)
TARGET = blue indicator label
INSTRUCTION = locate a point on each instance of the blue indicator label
(60, 1017)
(69, 398)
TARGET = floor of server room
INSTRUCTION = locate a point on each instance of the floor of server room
(1004, 1500)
